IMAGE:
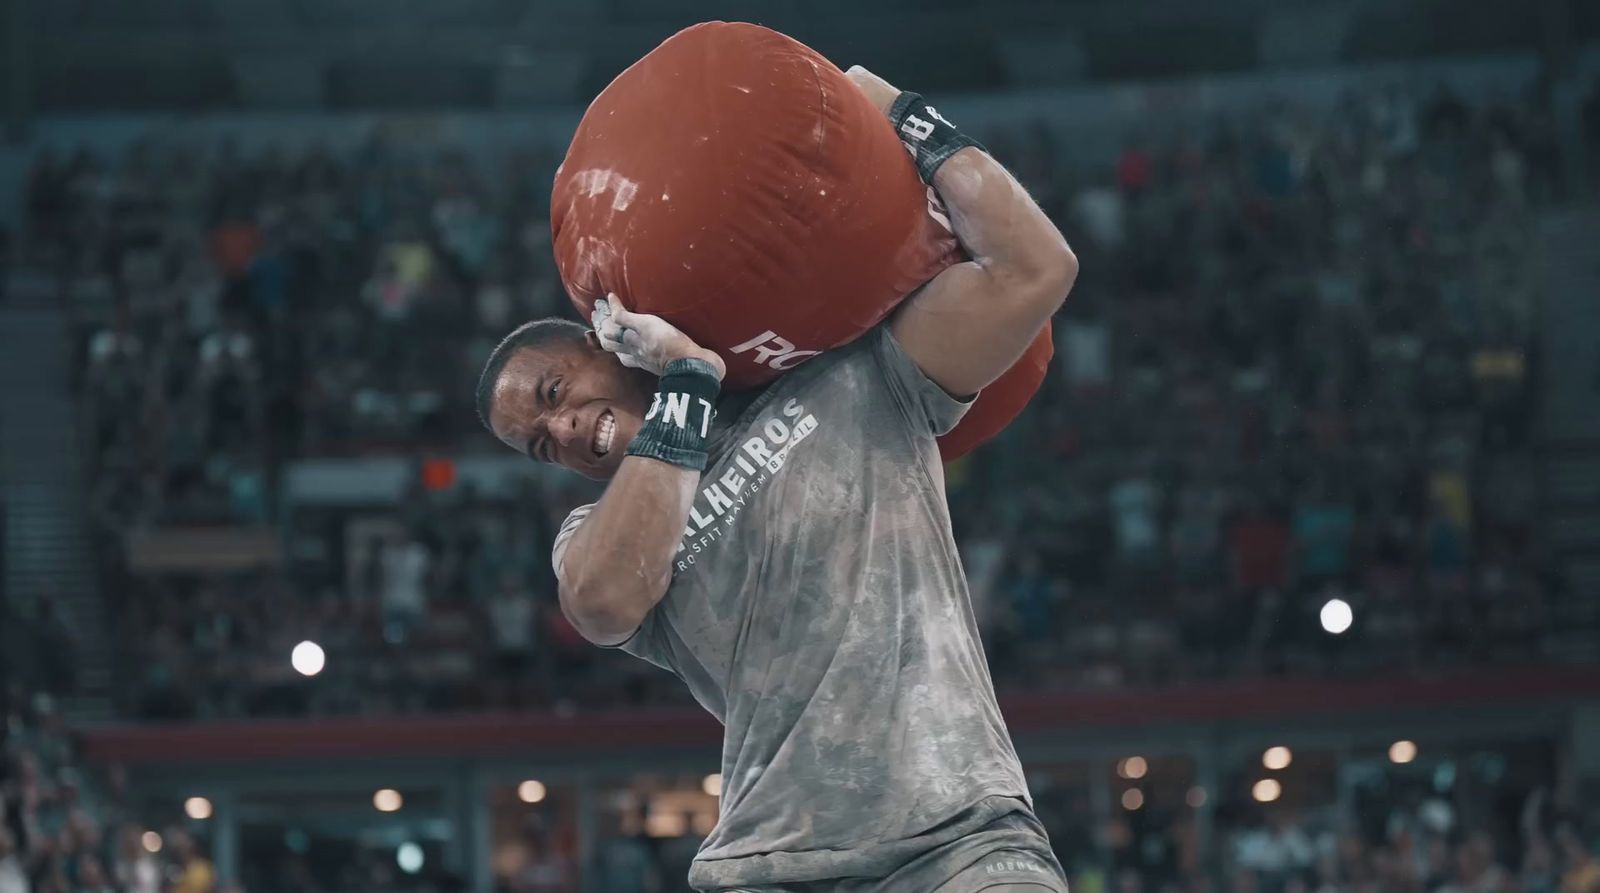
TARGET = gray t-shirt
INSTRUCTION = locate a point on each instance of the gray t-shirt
(819, 610)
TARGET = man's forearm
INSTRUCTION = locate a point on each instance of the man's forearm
(619, 562)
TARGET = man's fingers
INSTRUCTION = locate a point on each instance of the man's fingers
(610, 334)
(618, 312)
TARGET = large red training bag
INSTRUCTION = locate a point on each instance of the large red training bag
(735, 183)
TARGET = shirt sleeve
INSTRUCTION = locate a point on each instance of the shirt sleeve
(926, 405)
(575, 518)
(564, 535)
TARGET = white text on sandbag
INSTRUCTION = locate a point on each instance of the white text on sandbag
(774, 351)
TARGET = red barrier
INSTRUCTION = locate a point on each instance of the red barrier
(522, 733)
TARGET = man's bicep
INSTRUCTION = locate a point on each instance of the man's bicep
(558, 554)
(569, 528)
(961, 333)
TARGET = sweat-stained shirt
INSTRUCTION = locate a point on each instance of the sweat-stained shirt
(819, 610)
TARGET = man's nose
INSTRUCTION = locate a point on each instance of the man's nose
(564, 428)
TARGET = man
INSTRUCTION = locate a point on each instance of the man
(793, 563)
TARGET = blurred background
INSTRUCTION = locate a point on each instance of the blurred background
(1290, 578)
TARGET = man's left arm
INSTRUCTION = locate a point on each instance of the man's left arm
(970, 323)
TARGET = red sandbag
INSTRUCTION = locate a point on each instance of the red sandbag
(735, 183)
(1002, 401)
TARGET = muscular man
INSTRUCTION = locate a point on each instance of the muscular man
(788, 554)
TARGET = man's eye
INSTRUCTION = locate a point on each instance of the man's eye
(550, 393)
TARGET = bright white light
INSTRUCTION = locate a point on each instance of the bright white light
(1132, 799)
(531, 791)
(1196, 797)
(151, 841)
(197, 808)
(410, 857)
(712, 784)
(1133, 768)
(1266, 790)
(1403, 751)
(1337, 616)
(388, 800)
(308, 659)
(1277, 758)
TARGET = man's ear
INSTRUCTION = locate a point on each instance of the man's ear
(592, 339)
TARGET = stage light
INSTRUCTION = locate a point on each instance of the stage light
(1196, 797)
(1266, 790)
(409, 857)
(1403, 751)
(151, 841)
(1132, 799)
(712, 784)
(308, 659)
(531, 791)
(197, 808)
(1277, 758)
(388, 800)
(666, 824)
(1337, 616)
(1133, 768)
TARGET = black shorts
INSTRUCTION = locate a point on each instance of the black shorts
(1011, 848)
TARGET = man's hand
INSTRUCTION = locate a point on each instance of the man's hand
(878, 90)
(643, 341)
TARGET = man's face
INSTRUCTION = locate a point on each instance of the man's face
(570, 404)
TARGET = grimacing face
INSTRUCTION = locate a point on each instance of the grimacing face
(571, 404)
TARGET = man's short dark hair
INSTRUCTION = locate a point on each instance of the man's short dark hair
(537, 333)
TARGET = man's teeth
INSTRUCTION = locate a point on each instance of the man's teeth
(603, 432)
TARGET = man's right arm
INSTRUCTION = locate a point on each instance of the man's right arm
(617, 564)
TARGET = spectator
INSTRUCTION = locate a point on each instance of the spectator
(234, 244)
(13, 877)
(194, 871)
(406, 564)
(1477, 871)
(1259, 545)
(512, 628)
(92, 876)
(1582, 874)
(627, 863)
(1136, 505)
(1323, 530)
(136, 870)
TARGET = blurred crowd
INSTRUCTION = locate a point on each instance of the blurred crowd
(242, 310)
(1407, 844)
(450, 605)
(63, 831)
(1296, 368)
(1479, 821)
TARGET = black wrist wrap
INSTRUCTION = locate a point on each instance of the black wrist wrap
(930, 137)
(679, 421)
